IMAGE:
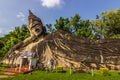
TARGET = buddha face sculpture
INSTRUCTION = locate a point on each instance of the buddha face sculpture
(35, 25)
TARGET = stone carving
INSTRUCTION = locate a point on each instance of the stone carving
(66, 49)
(35, 25)
(36, 29)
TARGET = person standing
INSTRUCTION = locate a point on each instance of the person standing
(51, 63)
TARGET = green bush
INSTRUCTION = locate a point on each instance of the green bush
(2, 66)
(60, 69)
(104, 71)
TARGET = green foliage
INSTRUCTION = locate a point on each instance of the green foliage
(42, 75)
(62, 24)
(75, 23)
(50, 29)
(108, 23)
(15, 36)
(116, 36)
(85, 31)
(76, 26)
(2, 66)
(104, 71)
(1, 43)
(59, 69)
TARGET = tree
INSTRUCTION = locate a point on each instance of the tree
(75, 23)
(62, 24)
(76, 26)
(1, 43)
(85, 30)
(108, 23)
(50, 29)
(15, 36)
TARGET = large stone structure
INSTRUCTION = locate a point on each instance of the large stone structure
(66, 49)
(37, 31)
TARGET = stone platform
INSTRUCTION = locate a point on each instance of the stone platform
(24, 69)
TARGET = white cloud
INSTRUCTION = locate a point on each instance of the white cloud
(21, 16)
(51, 3)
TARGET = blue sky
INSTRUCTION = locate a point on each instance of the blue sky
(15, 12)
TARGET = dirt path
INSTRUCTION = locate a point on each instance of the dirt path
(6, 75)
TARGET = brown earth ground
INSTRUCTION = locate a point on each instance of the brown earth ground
(6, 75)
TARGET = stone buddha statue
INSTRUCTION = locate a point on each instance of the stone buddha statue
(37, 30)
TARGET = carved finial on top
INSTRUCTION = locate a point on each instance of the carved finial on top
(33, 17)
(30, 13)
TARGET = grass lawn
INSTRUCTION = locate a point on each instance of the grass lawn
(42, 75)
(2, 67)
